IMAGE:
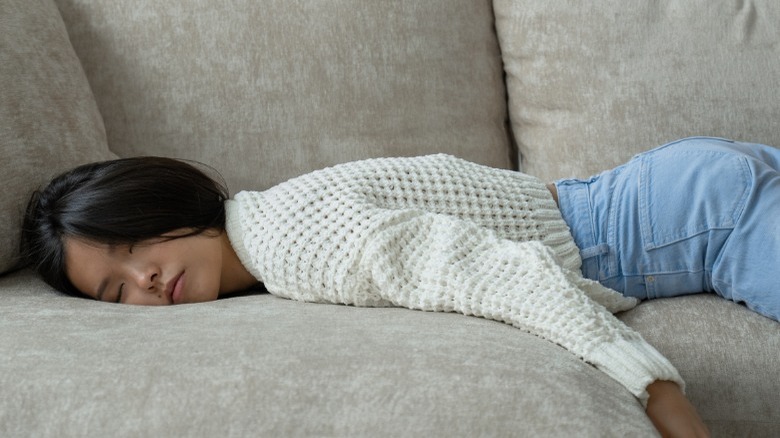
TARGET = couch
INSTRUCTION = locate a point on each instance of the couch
(263, 90)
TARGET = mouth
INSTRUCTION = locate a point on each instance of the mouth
(174, 288)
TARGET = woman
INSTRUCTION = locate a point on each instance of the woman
(438, 234)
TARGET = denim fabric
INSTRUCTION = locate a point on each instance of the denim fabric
(697, 215)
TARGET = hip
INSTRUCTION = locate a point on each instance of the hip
(656, 226)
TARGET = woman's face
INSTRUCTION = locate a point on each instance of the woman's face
(154, 272)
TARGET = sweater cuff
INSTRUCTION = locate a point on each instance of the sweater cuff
(635, 364)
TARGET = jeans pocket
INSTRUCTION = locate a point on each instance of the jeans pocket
(686, 192)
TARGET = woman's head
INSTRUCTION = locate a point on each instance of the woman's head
(118, 203)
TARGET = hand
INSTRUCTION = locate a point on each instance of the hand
(671, 412)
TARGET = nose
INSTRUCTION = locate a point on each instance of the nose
(146, 277)
(144, 286)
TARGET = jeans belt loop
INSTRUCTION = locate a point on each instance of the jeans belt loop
(594, 251)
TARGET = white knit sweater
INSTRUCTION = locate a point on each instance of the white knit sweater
(437, 233)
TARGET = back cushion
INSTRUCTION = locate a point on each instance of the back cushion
(48, 118)
(265, 90)
(591, 84)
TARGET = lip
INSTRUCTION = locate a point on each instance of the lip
(174, 288)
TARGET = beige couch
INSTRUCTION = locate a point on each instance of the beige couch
(263, 90)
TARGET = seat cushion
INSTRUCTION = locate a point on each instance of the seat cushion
(263, 366)
(727, 354)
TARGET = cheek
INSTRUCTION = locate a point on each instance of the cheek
(206, 262)
(207, 256)
(81, 282)
(204, 282)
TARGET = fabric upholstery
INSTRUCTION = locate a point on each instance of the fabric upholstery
(263, 90)
(727, 354)
(267, 90)
(48, 118)
(264, 366)
(591, 85)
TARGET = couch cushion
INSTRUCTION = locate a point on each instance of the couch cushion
(264, 366)
(266, 90)
(246, 366)
(48, 118)
(727, 354)
(590, 86)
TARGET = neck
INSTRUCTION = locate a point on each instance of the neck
(235, 277)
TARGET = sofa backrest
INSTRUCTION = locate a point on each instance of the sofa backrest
(592, 83)
(267, 90)
(48, 118)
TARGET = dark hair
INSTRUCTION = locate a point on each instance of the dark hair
(117, 202)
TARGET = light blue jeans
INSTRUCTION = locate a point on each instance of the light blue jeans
(696, 215)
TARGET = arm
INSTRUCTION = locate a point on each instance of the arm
(671, 413)
(439, 263)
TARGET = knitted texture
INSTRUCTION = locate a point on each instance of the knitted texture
(437, 233)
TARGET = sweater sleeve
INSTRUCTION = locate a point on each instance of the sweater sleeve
(435, 262)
